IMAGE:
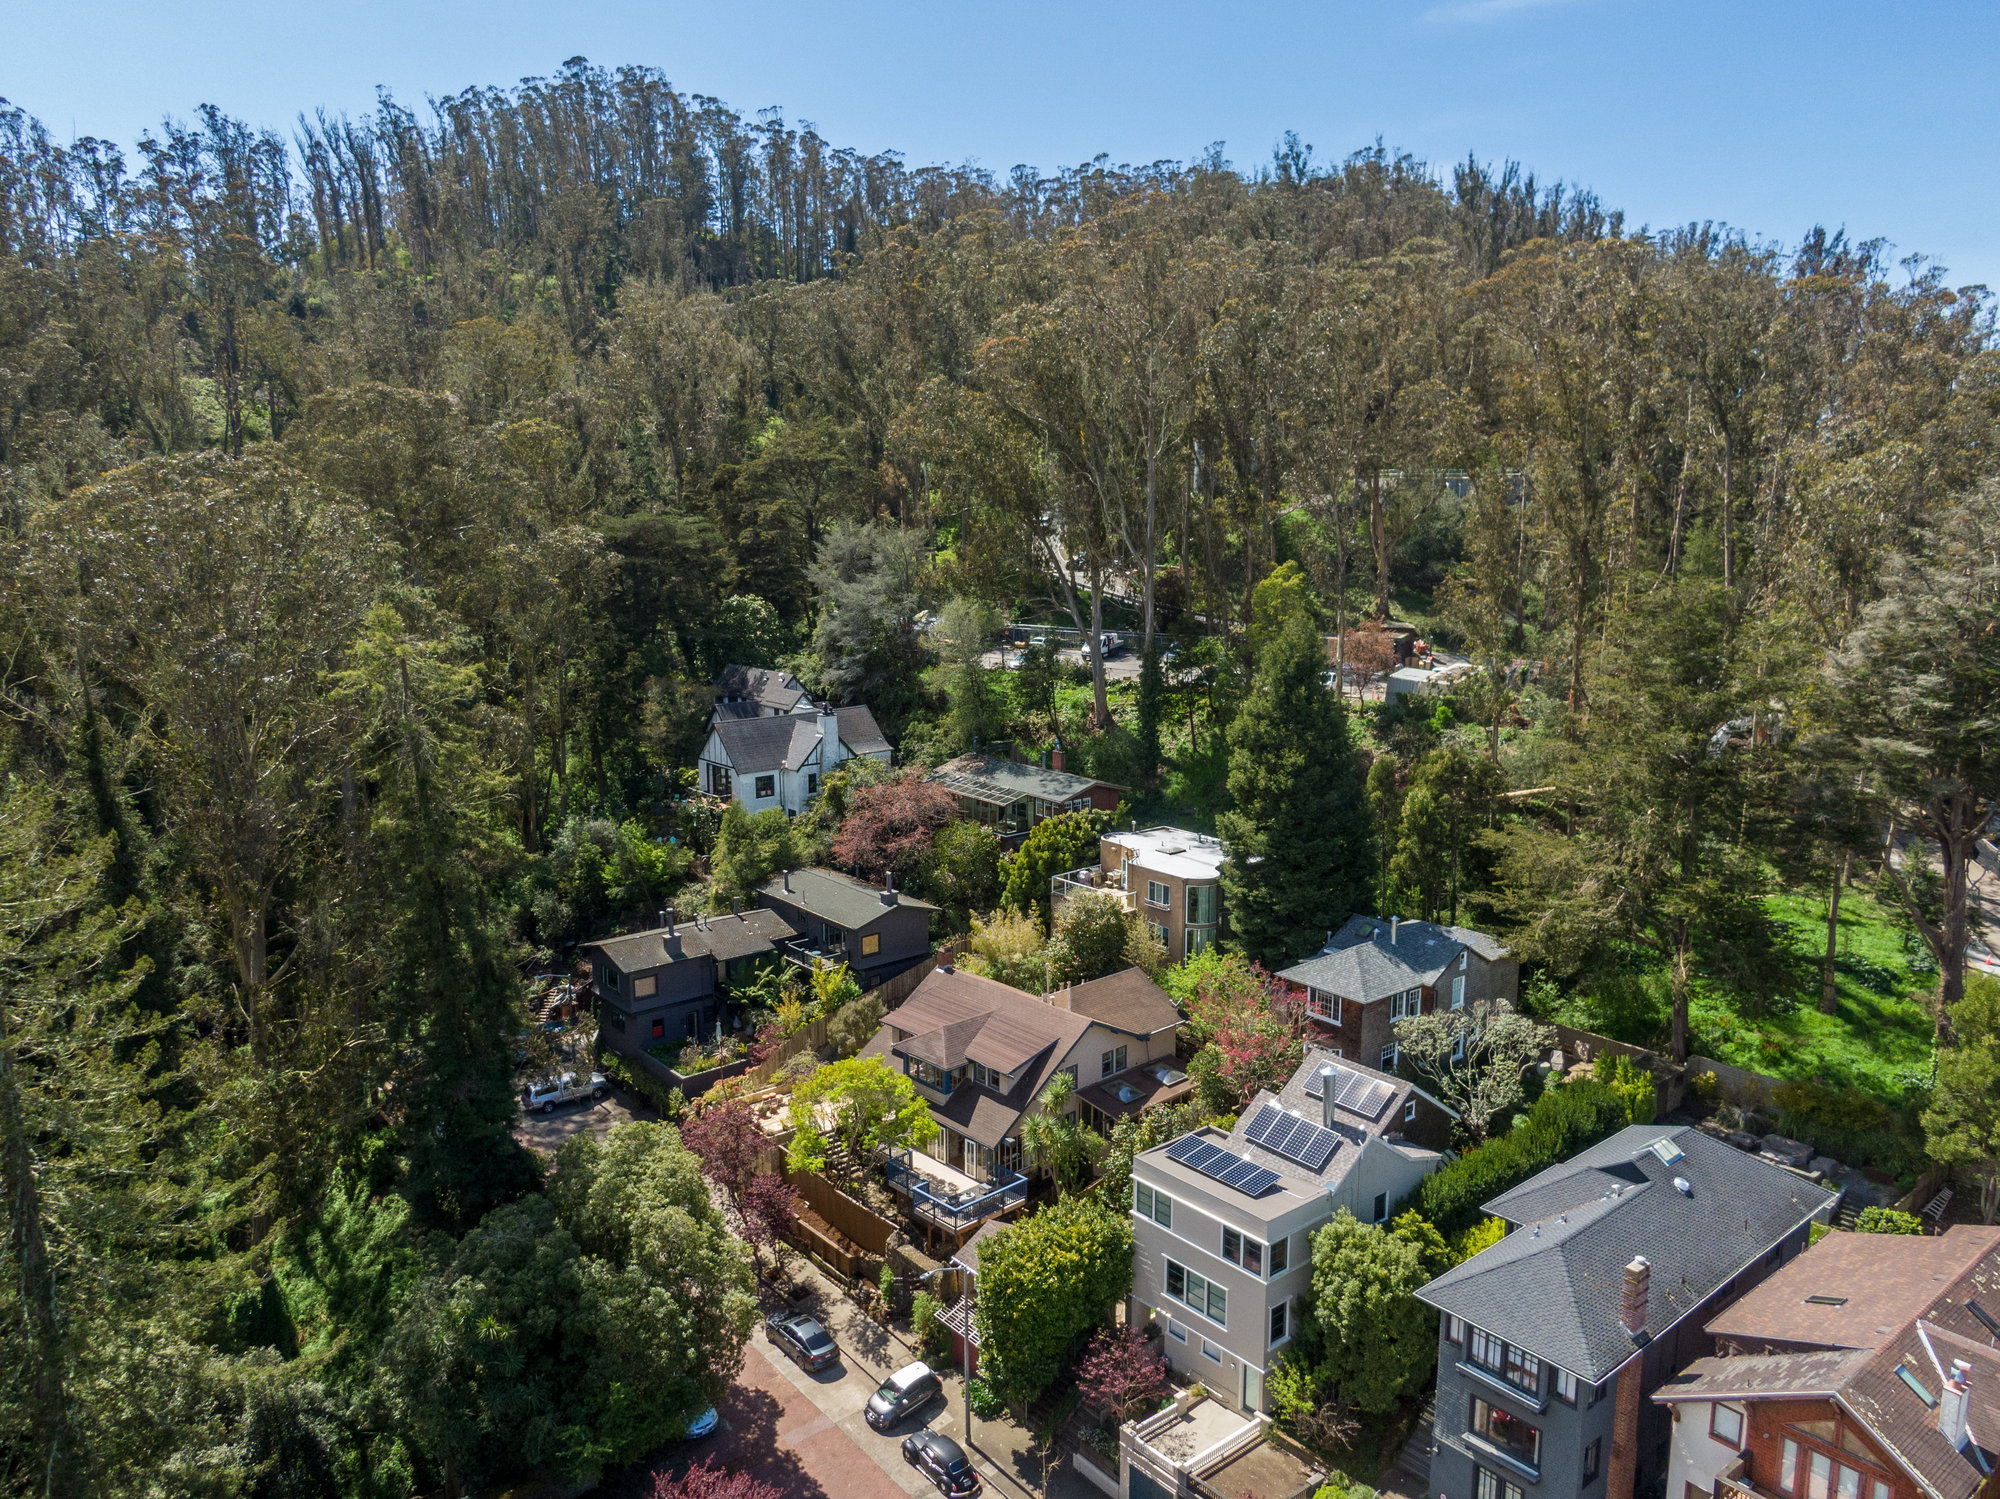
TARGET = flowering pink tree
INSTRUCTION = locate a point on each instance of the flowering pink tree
(708, 1479)
(1121, 1374)
(890, 826)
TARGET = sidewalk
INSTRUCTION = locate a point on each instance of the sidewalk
(1001, 1451)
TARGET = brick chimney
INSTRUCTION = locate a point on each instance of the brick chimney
(1953, 1405)
(1638, 1291)
(1056, 758)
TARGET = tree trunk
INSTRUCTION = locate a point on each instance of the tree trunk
(1728, 509)
(1378, 533)
(1829, 998)
(1100, 702)
(1681, 962)
(531, 816)
(49, 1405)
(1149, 559)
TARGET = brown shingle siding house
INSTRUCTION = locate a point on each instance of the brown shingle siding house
(1010, 797)
(1867, 1368)
(1372, 973)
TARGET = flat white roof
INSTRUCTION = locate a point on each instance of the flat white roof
(1173, 851)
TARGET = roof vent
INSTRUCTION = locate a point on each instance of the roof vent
(1681, 1186)
(1952, 1409)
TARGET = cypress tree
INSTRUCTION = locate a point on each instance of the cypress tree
(1300, 856)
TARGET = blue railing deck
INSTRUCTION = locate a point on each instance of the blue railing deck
(951, 1210)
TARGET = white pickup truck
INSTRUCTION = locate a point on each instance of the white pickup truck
(546, 1095)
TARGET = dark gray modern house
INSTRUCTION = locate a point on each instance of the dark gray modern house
(667, 984)
(876, 932)
(1550, 1342)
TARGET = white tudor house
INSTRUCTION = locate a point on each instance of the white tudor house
(779, 761)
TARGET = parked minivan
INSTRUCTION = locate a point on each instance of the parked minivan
(902, 1393)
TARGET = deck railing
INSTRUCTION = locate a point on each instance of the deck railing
(1093, 877)
(948, 1209)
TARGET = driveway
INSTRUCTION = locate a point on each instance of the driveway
(547, 1132)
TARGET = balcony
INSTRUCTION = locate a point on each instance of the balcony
(1094, 878)
(1733, 1482)
(947, 1198)
(805, 952)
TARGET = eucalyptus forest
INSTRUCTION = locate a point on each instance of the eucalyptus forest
(381, 499)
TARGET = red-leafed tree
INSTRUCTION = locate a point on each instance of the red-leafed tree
(1367, 654)
(708, 1479)
(768, 1206)
(1121, 1374)
(728, 1142)
(889, 827)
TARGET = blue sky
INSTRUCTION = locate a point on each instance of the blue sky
(1772, 117)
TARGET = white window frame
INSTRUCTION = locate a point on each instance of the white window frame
(1409, 1111)
(1151, 1203)
(1159, 895)
(1210, 1351)
(1392, 1054)
(1208, 1286)
(1280, 1308)
(1112, 1062)
(1458, 991)
(1323, 1004)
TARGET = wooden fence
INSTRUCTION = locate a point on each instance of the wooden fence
(811, 1038)
(820, 1032)
(842, 1212)
(893, 992)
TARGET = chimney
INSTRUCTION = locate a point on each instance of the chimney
(1329, 1090)
(1638, 1291)
(829, 739)
(733, 907)
(889, 888)
(667, 917)
(1394, 923)
(1953, 1404)
(788, 882)
(1056, 758)
(672, 941)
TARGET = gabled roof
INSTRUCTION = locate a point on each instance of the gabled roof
(774, 691)
(1855, 1290)
(760, 744)
(988, 778)
(860, 733)
(848, 903)
(724, 938)
(1871, 1386)
(1554, 1286)
(1370, 959)
(1127, 1001)
(954, 1017)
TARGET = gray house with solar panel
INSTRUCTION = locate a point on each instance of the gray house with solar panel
(1222, 1222)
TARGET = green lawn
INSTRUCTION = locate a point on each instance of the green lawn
(1878, 1040)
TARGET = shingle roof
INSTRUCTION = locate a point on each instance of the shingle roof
(1127, 1001)
(778, 691)
(1796, 1376)
(1872, 1284)
(839, 898)
(1015, 1033)
(724, 938)
(759, 744)
(859, 732)
(1361, 962)
(1554, 1285)
(990, 778)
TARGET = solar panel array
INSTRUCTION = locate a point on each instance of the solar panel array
(1296, 1139)
(1225, 1166)
(1359, 1093)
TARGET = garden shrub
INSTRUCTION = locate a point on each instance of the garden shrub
(1888, 1221)
(1630, 1082)
(985, 1404)
(933, 1337)
(1564, 1120)
(1482, 1235)
(1849, 1125)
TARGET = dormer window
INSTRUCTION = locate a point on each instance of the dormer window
(986, 1077)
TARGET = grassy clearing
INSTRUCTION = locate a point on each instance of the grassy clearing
(1877, 1041)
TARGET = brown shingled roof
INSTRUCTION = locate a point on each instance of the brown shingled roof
(1127, 1001)
(1871, 1285)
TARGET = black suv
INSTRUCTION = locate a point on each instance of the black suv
(942, 1461)
(809, 1344)
(901, 1393)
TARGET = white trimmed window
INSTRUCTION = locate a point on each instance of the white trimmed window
(1199, 1292)
(1150, 1204)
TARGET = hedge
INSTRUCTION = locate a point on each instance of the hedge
(1564, 1120)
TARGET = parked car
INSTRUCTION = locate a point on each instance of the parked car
(1038, 641)
(942, 1461)
(806, 1342)
(1112, 642)
(546, 1095)
(904, 1392)
(703, 1424)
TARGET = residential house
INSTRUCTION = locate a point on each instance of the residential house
(1137, 1069)
(1222, 1221)
(780, 760)
(758, 692)
(876, 933)
(980, 1053)
(1550, 1341)
(1372, 973)
(1172, 876)
(1010, 796)
(1867, 1368)
(667, 984)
